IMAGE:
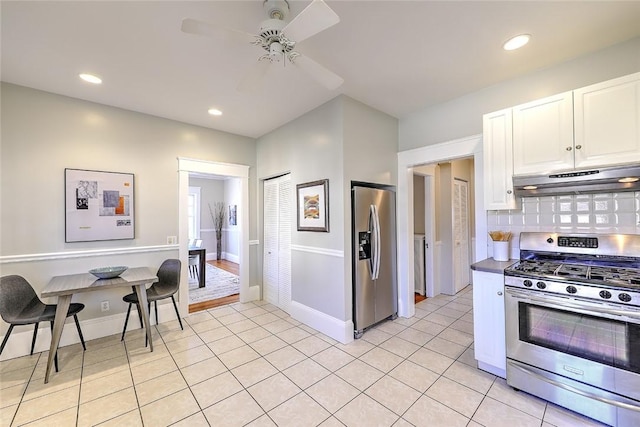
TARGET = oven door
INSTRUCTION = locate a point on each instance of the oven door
(586, 341)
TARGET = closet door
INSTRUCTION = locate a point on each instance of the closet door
(285, 203)
(276, 270)
(270, 255)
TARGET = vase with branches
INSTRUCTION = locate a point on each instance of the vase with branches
(217, 216)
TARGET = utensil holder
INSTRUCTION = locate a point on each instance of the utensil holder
(501, 250)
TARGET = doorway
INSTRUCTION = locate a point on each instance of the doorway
(213, 241)
(407, 161)
(187, 167)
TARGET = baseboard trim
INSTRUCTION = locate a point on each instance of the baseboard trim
(19, 343)
(337, 329)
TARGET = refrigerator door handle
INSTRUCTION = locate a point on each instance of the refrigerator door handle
(375, 234)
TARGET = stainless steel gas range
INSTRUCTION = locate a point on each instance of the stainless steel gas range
(572, 314)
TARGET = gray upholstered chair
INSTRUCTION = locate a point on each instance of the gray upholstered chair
(19, 305)
(166, 286)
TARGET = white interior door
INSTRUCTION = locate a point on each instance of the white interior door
(460, 234)
(276, 270)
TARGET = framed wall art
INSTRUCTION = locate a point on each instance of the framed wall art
(313, 206)
(98, 205)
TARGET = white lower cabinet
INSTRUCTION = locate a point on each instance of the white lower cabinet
(488, 322)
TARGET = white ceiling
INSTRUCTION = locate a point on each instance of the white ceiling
(396, 56)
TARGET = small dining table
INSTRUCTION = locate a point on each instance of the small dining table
(64, 287)
(202, 259)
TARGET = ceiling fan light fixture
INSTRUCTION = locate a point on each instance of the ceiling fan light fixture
(516, 42)
(90, 78)
(214, 112)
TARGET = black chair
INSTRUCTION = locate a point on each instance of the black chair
(167, 285)
(19, 305)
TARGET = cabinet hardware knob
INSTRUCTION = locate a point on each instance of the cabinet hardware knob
(499, 293)
(568, 148)
(509, 191)
(578, 147)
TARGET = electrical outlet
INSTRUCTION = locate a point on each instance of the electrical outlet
(104, 306)
(172, 240)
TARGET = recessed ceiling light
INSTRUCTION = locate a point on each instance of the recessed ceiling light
(516, 42)
(91, 78)
(215, 112)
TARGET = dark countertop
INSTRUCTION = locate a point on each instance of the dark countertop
(490, 265)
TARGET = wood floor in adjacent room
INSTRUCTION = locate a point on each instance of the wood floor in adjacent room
(232, 268)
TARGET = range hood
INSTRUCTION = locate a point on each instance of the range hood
(597, 180)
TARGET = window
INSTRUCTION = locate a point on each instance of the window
(194, 213)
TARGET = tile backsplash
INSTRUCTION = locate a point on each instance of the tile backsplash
(585, 213)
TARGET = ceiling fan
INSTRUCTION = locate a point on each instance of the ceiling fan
(278, 38)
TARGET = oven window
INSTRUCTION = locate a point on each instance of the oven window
(611, 342)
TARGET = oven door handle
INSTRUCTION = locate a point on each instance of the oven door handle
(573, 304)
(572, 389)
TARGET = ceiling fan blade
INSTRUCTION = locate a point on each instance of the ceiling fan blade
(254, 79)
(193, 26)
(314, 18)
(322, 75)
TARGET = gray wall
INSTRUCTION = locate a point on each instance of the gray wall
(342, 140)
(43, 133)
(211, 191)
(310, 148)
(462, 117)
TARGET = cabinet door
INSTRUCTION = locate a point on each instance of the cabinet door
(488, 321)
(607, 121)
(497, 141)
(543, 135)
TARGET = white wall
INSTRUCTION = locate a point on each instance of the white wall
(232, 195)
(43, 133)
(462, 117)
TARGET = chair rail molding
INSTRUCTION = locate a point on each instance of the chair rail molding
(7, 259)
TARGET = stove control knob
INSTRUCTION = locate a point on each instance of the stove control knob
(605, 294)
(528, 283)
(624, 297)
(541, 285)
(572, 289)
(550, 240)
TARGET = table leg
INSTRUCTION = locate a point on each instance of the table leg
(58, 323)
(203, 267)
(141, 292)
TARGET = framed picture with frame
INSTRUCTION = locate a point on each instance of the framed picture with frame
(98, 205)
(313, 206)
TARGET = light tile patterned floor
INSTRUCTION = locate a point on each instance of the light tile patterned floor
(252, 364)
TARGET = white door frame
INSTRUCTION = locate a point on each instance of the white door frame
(407, 160)
(430, 230)
(187, 166)
(428, 172)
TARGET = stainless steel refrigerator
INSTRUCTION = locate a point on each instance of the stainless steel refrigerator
(373, 226)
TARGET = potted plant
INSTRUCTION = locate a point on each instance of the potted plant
(217, 216)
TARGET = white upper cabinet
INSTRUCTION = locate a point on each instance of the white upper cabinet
(543, 135)
(607, 122)
(497, 143)
(595, 126)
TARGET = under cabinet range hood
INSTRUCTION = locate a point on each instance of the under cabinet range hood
(597, 180)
